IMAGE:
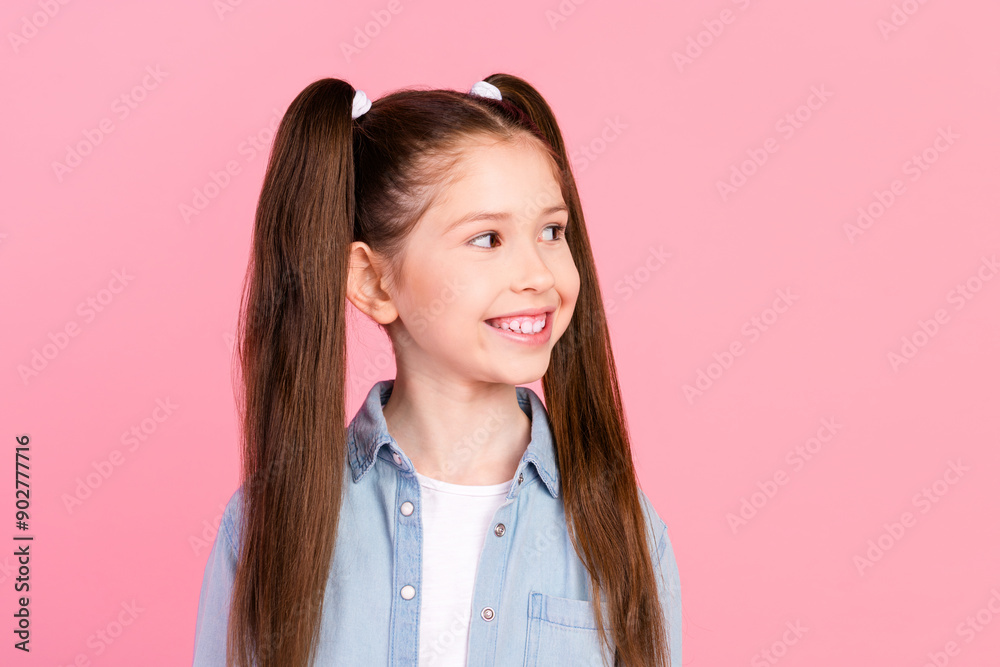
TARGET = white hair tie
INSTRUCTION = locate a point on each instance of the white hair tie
(361, 104)
(485, 89)
(481, 89)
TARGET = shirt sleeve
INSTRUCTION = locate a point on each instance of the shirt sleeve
(670, 595)
(213, 604)
(667, 578)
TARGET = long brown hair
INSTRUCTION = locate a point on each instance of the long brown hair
(331, 180)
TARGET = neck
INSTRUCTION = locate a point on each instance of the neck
(471, 434)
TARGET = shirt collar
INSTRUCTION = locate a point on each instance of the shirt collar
(368, 433)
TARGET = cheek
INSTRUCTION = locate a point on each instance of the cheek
(432, 300)
(569, 281)
(415, 297)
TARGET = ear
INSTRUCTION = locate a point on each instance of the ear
(364, 284)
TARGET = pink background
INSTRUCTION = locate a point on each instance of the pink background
(660, 133)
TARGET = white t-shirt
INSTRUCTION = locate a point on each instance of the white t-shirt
(456, 519)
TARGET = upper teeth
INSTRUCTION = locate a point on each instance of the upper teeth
(520, 324)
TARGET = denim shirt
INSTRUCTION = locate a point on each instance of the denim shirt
(530, 603)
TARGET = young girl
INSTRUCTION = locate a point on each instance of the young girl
(456, 520)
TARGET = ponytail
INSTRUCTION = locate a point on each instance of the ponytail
(291, 341)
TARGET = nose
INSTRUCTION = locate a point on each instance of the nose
(529, 270)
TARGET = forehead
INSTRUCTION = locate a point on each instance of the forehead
(514, 176)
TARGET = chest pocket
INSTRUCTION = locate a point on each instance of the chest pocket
(562, 632)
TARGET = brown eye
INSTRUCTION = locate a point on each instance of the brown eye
(560, 232)
(482, 236)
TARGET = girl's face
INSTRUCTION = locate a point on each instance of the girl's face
(491, 246)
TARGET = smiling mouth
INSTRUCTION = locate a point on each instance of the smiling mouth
(524, 325)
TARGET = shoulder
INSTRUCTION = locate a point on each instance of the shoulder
(655, 525)
(232, 519)
(668, 576)
(661, 549)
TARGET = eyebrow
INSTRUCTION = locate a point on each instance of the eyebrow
(498, 216)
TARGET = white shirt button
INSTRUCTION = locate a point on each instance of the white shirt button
(499, 530)
(408, 592)
(487, 613)
(406, 508)
(397, 458)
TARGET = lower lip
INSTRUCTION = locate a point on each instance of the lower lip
(530, 340)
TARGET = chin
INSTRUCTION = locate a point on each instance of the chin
(523, 374)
